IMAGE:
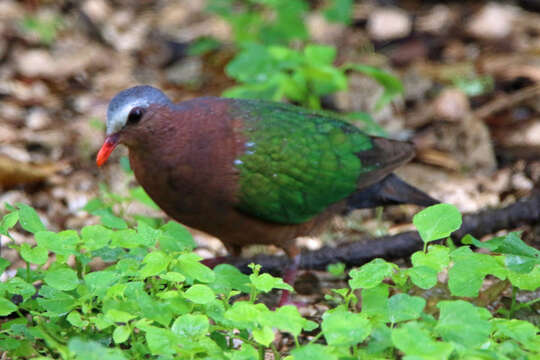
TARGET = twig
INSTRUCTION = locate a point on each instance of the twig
(401, 245)
(506, 101)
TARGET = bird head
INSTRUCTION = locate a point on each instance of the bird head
(126, 110)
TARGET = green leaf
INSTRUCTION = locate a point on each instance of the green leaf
(6, 307)
(127, 238)
(437, 222)
(474, 86)
(519, 330)
(269, 90)
(29, 219)
(44, 27)
(94, 205)
(437, 257)
(252, 64)
(463, 323)
(148, 233)
(62, 279)
(189, 265)
(124, 164)
(529, 281)
(101, 322)
(150, 308)
(267, 282)
(173, 276)
(55, 301)
(18, 286)
(119, 316)
(121, 334)
(175, 237)
(230, 278)
(203, 45)
(155, 263)
(520, 257)
(99, 282)
(415, 342)
(324, 80)
(37, 255)
(62, 243)
(200, 294)
(366, 123)
(161, 341)
(141, 196)
(109, 219)
(191, 325)
(391, 84)
(246, 352)
(75, 319)
(95, 237)
(466, 276)
(320, 54)
(344, 328)
(313, 352)
(264, 335)
(286, 319)
(491, 244)
(244, 314)
(8, 221)
(402, 307)
(339, 11)
(336, 269)
(423, 276)
(375, 302)
(380, 340)
(371, 274)
(92, 350)
(4, 264)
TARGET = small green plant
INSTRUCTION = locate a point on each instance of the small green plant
(277, 73)
(269, 67)
(45, 28)
(474, 85)
(267, 22)
(339, 11)
(154, 299)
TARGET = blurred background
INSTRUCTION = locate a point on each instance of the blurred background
(458, 78)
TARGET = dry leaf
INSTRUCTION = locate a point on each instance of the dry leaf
(14, 172)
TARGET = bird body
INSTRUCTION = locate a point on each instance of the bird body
(252, 171)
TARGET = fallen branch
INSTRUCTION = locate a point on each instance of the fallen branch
(402, 245)
(503, 102)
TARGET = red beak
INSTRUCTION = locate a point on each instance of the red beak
(110, 143)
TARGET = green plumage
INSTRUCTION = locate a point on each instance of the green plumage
(296, 162)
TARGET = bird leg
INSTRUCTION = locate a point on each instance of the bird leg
(234, 251)
(289, 277)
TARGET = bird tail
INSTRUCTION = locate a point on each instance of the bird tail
(389, 191)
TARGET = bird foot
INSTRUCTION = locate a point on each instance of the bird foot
(286, 300)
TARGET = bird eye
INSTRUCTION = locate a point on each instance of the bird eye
(135, 115)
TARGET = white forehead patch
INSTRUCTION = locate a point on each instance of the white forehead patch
(117, 119)
(138, 96)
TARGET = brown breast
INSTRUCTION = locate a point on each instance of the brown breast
(184, 159)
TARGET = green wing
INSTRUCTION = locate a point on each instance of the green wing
(297, 162)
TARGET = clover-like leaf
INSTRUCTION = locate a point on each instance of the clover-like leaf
(437, 222)
(344, 328)
(402, 307)
(463, 323)
(371, 274)
(200, 294)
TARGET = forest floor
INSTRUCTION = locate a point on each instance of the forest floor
(471, 73)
